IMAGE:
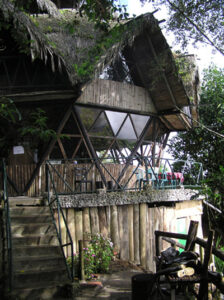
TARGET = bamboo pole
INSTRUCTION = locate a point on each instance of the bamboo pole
(114, 228)
(108, 215)
(94, 220)
(103, 221)
(86, 225)
(63, 230)
(71, 226)
(78, 227)
(143, 209)
(148, 248)
(81, 261)
(136, 233)
(124, 234)
(131, 232)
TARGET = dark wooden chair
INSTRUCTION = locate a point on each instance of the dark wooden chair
(165, 276)
(80, 179)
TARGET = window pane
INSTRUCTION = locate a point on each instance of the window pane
(127, 131)
(139, 122)
(115, 119)
(87, 115)
(101, 127)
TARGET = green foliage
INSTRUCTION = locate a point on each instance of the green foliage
(16, 128)
(97, 256)
(8, 110)
(195, 20)
(102, 12)
(203, 145)
(85, 69)
(219, 263)
(37, 127)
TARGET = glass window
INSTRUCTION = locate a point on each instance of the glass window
(139, 122)
(87, 115)
(127, 131)
(101, 127)
(116, 119)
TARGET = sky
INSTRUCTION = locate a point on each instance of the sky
(204, 54)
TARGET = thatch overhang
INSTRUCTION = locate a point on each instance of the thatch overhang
(135, 52)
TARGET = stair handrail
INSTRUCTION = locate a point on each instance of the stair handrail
(7, 224)
(49, 178)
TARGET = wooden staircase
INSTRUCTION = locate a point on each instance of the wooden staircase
(38, 266)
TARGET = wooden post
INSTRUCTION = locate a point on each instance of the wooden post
(63, 230)
(108, 215)
(78, 226)
(94, 220)
(123, 228)
(71, 226)
(86, 225)
(131, 232)
(81, 261)
(114, 227)
(103, 221)
(136, 233)
(203, 289)
(143, 210)
(192, 234)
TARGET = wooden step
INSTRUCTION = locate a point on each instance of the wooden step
(42, 250)
(35, 240)
(39, 262)
(29, 210)
(25, 219)
(41, 278)
(27, 229)
(53, 290)
(25, 201)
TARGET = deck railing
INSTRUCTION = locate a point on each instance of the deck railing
(159, 173)
(59, 220)
(82, 176)
(7, 226)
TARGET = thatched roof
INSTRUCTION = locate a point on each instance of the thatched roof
(135, 51)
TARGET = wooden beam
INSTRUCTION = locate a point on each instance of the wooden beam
(43, 96)
(48, 150)
(89, 145)
(134, 151)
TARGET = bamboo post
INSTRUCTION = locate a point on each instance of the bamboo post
(151, 239)
(81, 261)
(63, 231)
(86, 225)
(114, 227)
(78, 226)
(108, 215)
(136, 233)
(148, 244)
(94, 220)
(131, 232)
(71, 226)
(103, 221)
(143, 210)
(124, 234)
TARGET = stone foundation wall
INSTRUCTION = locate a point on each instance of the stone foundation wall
(150, 196)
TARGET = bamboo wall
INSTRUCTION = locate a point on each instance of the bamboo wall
(20, 175)
(117, 95)
(131, 227)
